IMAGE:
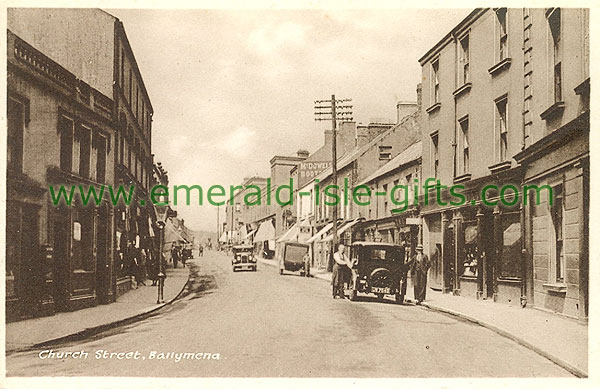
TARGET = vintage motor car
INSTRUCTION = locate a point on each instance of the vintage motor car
(243, 256)
(378, 268)
(293, 258)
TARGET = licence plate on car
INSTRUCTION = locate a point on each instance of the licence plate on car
(380, 290)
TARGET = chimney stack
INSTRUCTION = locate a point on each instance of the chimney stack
(405, 108)
(302, 154)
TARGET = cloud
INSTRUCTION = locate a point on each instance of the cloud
(268, 40)
(240, 142)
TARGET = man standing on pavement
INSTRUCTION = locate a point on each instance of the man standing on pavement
(340, 269)
(418, 272)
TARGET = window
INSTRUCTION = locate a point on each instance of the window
(100, 147)
(409, 187)
(435, 87)
(464, 126)
(16, 127)
(122, 67)
(385, 199)
(464, 60)
(84, 151)
(557, 213)
(83, 238)
(554, 22)
(66, 128)
(385, 153)
(510, 256)
(502, 34)
(435, 155)
(130, 86)
(502, 128)
(121, 142)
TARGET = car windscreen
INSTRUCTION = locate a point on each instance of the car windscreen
(381, 254)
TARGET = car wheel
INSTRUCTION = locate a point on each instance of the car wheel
(280, 272)
(254, 268)
(234, 269)
(380, 296)
(302, 274)
(399, 298)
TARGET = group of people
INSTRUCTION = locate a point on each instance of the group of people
(342, 272)
(138, 261)
(180, 254)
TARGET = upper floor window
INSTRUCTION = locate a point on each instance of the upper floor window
(84, 151)
(99, 152)
(502, 127)
(464, 60)
(16, 127)
(122, 68)
(385, 153)
(502, 34)
(130, 86)
(66, 128)
(554, 23)
(435, 81)
(435, 154)
(464, 127)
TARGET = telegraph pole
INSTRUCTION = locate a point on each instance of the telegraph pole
(330, 110)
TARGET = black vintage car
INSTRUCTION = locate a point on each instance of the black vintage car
(378, 268)
(243, 256)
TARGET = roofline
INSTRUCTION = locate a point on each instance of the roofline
(121, 28)
(470, 18)
(399, 167)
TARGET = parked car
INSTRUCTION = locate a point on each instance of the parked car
(294, 258)
(243, 256)
(378, 268)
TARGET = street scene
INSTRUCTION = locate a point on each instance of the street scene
(279, 336)
(302, 193)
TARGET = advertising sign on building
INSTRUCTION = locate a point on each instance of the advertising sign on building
(309, 170)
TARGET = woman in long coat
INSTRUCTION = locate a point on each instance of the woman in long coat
(418, 272)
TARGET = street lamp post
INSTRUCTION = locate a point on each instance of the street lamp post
(161, 272)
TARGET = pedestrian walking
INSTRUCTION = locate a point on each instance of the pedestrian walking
(152, 267)
(341, 266)
(418, 272)
(175, 256)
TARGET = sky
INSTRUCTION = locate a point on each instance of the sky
(232, 88)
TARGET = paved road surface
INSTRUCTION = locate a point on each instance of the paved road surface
(266, 325)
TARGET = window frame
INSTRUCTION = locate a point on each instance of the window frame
(435, 80)
(464, 140)
(464, 73)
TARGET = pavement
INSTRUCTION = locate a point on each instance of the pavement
(262, 324)
(561, 339)
(135, 304)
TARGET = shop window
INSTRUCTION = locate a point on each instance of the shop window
(510, 256)
(557, 214)
(471, 250)
(15, 128)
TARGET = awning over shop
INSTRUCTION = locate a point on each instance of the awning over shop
(223, 238)
(342, 229)
(290, 235)
(266, 231)
(319, 234)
